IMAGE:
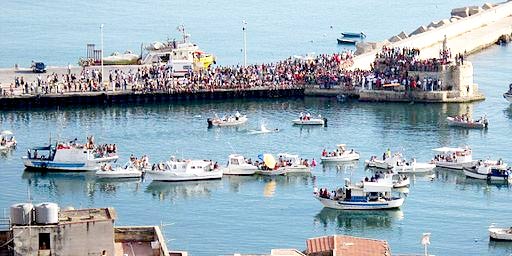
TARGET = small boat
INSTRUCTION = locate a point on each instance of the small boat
(453, 158)
(503, 234)
(393, 178)
(308, 120)
(129, 170)
(341, 154)
(238, 165)
(353, 34)
(508, 95)
(487, 172)
(184, 170)
(464, 122)
(231, 120)
(389, 161)
(367, 195)
(413, 167)
(70, 156)
(7, 140)
(286, 164)
(346, 41)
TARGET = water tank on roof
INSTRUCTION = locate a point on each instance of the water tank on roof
(21, 214)
(47, 213)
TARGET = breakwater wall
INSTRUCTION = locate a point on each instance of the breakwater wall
(129, 97)
(464, 35)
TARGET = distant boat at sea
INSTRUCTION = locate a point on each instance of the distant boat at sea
(352, 34)
(346, 41)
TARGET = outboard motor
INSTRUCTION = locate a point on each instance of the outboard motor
(486, 123)
(325, 122)
(210, 122)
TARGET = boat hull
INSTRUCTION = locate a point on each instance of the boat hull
(271, 172)
(454, 166)
(346, 41)
(239, 171)
(312, 121)
(415, 168)
(342, 158)
(470, 172)
(470, 125)
(175, 177)
(345, 205)
(377, 164)
(220, 123)
(119, 174)
(500, 234)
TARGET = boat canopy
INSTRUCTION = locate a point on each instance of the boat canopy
(448, 149)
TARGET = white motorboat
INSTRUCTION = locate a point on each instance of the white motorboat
(464, 122)
(231, 120)
(488, 172)
(504, 234)
(453, 158)
(287, 163)
(184, 170)
(363, 196)
(7, 140)
(508, 95)
(308, 120)
(391, 178)
(341, 154)
(130, 170)
(70, 156)
(238, 165)
(389, 161)
(413, 167)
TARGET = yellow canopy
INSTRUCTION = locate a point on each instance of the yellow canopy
(269, 161)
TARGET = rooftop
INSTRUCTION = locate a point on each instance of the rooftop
(340, 245)
(85, 215)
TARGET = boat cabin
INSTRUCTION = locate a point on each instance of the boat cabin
(455, 155)
(237, 160)
(192, 166)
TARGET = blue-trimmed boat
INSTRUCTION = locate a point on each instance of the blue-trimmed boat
(488, 172)
(69, 157)
(367, 195)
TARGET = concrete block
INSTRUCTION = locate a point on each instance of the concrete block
(488, 6)
(461, 12)
(394, 39)
(419, 30)
(403, 35)
(474, 10)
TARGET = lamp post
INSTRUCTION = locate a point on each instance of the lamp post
(244, 29)
(102, 75)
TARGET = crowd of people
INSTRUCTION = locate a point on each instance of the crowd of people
(392, 66)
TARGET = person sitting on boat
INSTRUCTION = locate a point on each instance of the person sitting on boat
(305, 163)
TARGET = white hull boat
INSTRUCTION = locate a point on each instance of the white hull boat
(63, 157)
(7, 143)
(487, 173)
(237, 165)
(454, 158)
(296, 169)
(454, 165)
(371, 205)
(271, 172)
(478, 124)
(176, 170)
(341, 154)
(402, 182)
(119, 173)
(414, 167)
(504, 234)
(312, 121)
(376, 163)
(235, 120)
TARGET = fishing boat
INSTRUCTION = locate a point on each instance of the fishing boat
(129, 170)
(346, 41)
(487, 172)
(453, 158)
(353, 34)
(7, 140)
(184, 170)
(503, 234)
(70, 156)
(341, 154)
(465, 122)
(508, 95)
(413, 167)
(367, 195)
(308, 120)
(287, 163)
(238, 165)
(231, 120)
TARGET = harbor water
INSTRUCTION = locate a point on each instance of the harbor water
(255, 214)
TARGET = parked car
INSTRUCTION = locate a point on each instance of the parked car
(38, 67)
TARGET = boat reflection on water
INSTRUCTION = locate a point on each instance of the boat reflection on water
(182, 190)
(498, 247)
(464, 183)
(66, 183)
(350, 166)
(357, 220)
(236, 182)
(508, 111)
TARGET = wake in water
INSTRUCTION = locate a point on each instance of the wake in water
(263, 130)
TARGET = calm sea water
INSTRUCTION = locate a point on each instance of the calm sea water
(254, 214)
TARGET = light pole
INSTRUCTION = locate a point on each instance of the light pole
(244, 29)
(102, 75)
